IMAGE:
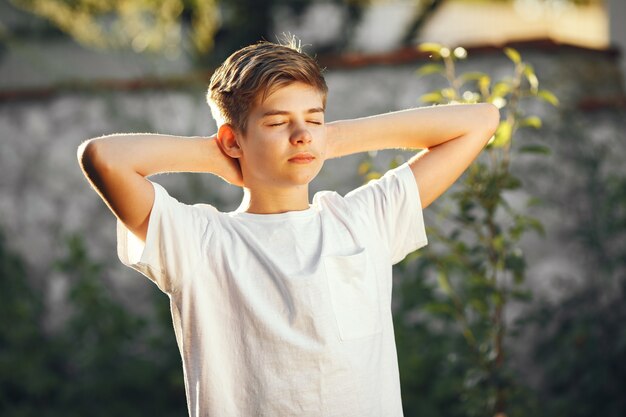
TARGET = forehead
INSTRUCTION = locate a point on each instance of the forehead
(294, 97)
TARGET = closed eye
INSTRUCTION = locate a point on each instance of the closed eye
(282, 123)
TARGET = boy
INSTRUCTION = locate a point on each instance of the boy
(282, 308)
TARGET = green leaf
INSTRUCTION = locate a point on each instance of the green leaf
(498, 242)
(501, 89)
(444, 284)
(483, 83)
(434, 97)
(513, 55)
(364, 167)
(536, 149)
(460, 248)
(479, 305)
(511, 183)
(529, 73)
(449, 93)
(473, 75)
(533, 201)
(440, 309)
(503, 134)
(430, 47)
(497, 298)
(396, 162)
(522, 295)
(516, 263)
(429, 69)
(548, 96)
(532, 121)
(537, 226)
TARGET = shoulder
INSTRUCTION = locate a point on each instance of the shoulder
(323, 198)
(182, 214)
(396, 183)
(164, 195)
(397, 180)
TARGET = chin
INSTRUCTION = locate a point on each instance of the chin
(311, 176)
(303, 180)
(296, 177)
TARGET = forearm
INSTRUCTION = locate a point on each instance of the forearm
(418, 128)
(148, 154)
(117, 166)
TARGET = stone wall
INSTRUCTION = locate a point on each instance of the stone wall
(44, 197)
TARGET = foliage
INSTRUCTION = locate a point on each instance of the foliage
(432, 358)
(476, 254)
(172, 26)
(582, 353)
(580, 340)
(142, 25)
(199, 26)
(102, 361)
(21, 356)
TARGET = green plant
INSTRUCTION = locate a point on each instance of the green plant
(103, 360)
(582, 352)
(579, 340)
(475, 250)
(24, 380)
(116, 360)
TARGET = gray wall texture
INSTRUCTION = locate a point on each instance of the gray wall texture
(44, 197)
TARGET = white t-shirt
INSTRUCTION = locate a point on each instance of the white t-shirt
(285, 314)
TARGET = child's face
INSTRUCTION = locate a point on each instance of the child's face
(285, 140)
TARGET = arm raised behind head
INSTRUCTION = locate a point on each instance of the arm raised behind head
(452, 135)
(117, 166)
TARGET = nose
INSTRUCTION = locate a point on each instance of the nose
(300, 136)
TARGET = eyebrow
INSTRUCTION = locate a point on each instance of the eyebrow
(284, 112)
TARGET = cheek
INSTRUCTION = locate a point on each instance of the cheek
(263, 150)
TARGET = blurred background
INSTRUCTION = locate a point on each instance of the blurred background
(516, 307)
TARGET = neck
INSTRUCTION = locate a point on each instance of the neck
(275, 201)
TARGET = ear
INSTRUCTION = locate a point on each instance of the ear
(228, 140)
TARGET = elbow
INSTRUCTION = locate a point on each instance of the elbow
(86, 155)
(90, 157)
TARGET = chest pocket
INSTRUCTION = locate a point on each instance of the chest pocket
(354, 294)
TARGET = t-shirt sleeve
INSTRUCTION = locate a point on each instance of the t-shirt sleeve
(391, 206)
(174, 241)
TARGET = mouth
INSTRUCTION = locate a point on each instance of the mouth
(302, 158)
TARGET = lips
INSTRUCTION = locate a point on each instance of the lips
(302, 157)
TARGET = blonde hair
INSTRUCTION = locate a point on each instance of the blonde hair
(254, 72)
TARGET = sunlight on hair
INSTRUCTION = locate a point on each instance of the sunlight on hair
(290, 41)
